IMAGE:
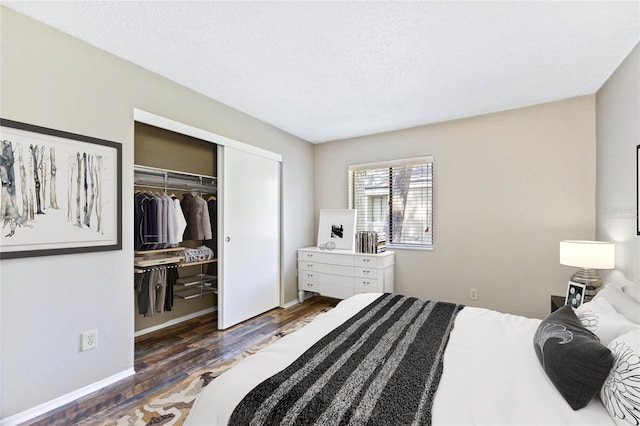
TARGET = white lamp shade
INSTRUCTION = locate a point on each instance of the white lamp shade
(588, 254)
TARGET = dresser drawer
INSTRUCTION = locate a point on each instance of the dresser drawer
(366, 285)
(327, 268)
(306, 285)
(310, 276)
(332, 258)
(375, 261)
(364, 272)
(335, 280)
(308, 280)
(307, 266)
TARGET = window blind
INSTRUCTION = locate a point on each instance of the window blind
(395, 198)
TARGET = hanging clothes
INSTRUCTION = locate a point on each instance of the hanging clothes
(141, 285)
(150, 234)
(172, 279)
(176, 222)
(163, 212)
(154, 289)
(158, 221)
(196, 212)
(212, 204)
(157, 291)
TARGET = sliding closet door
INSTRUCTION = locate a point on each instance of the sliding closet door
(249, 242)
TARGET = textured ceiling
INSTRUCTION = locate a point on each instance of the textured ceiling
(331, 70)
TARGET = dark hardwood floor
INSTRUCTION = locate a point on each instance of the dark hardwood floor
(166, 357)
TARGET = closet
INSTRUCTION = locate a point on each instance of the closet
(242, 279)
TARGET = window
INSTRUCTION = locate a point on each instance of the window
(395, 198)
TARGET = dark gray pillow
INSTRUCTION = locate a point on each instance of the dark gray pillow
(572, 356)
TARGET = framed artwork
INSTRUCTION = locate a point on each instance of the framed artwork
(337, 229)
(638, 189)
(575, 294)
(61, 192)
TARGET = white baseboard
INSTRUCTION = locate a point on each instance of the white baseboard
(290, 304)
(307, 295)
(174, 321)
(64, 399)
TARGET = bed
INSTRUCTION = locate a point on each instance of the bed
(491, 371)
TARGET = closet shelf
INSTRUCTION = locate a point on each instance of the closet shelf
(156, 260)
(173, 260)
(197, 279)
(165, 256)
(200, 262)
(170, 180)
(164, 250)
(192, 293)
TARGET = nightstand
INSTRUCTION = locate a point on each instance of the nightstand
(557, 302)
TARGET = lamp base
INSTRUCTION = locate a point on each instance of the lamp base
(590, 279)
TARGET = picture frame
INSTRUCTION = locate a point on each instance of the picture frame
(61, 192)
(575, 294)
(638, 189)
(337, 226)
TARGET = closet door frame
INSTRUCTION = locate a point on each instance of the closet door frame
(159, 121)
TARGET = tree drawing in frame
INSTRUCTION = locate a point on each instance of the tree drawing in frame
(39, 168)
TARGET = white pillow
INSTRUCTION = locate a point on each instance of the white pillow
(621, 297)
(621, 390)
(599, 317)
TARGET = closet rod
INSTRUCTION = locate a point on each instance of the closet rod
(142, 269)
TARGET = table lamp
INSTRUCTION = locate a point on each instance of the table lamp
(587, 256)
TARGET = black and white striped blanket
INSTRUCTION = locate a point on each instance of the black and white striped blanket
(381, 367)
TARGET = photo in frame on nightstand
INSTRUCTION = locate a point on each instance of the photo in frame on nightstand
(575, 294)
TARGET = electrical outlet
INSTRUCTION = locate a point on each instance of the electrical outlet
(88, 340)
(473, 294)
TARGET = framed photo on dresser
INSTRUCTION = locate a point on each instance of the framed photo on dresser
(337, 228)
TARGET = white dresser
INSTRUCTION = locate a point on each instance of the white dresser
(342, 274)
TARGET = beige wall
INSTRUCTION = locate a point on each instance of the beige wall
(53, 80)
(507, 188)
(618, 134)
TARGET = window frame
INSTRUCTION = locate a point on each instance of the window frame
(397, 163)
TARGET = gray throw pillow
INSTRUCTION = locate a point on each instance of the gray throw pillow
(572, 357)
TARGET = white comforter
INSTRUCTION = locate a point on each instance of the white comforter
(491, 373)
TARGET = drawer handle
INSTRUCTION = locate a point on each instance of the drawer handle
(309, 256)
(366, 271)
(366, 260)
(366, 282)
(309, 275)
(309, 265)
(309, 285)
